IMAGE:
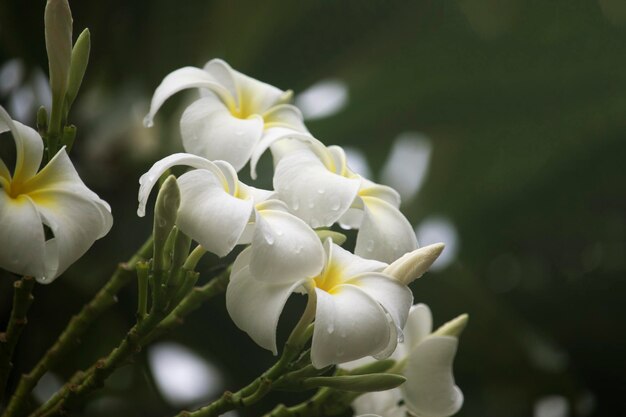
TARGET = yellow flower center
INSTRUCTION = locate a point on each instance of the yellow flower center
(330, 278)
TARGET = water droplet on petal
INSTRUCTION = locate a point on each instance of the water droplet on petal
(330, 328)
(279, 232)
(147, 121)
(311, 204)
(321, 191)
(295, 204)
(335, 204)
(269, 239)
(299, 249)
(369, 245)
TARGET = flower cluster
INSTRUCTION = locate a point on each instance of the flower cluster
(362, 298)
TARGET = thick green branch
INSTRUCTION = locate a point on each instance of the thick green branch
(22, 299)
(103, 300)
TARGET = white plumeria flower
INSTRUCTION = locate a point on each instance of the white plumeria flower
(219, 212)
(233, 114)
(359, 309)
(319, 187)
(426, 359)
(55, 197)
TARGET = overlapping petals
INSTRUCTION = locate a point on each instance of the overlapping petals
(358, 309)
(318, 187)
(235, 112)
(219, 212)
(55, 197)
(429, 389)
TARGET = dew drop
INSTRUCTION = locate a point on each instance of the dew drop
(311, 204)
(340, 353)
(279, 233)
(295, 204)
(321, 191)
(330, 328)
(298, 249)
(369, 245)
(147, 121)
(335, 205)
(269, 239)
(400, 337)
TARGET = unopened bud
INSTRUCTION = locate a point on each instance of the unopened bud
(79, 61)
(454, 327)
(165, 214)
(357, 383)
(58, 28)
(338, 238)
(414, 264)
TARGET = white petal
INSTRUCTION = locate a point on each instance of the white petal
(76, 222)
(181, 79)
(284, 248)
(224, 75)
(351, 219)
(385, 234)
(273, 135)
(255, 306)
(348, 264)
(418, 325)
(395, 297)
(255, 97)
(21, 236)
(208, 129)
(312, 192)
(29, 147)
(349, 325)
(258, 195)
(150, 178)
(382, 403)
(284, 115)
(388, 194)
(60, 175)
(429, 389)
(210, 215)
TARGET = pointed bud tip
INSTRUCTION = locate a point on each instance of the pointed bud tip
(454, 327)
(414, 264)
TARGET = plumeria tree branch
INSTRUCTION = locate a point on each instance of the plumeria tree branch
(22, 299)
(102, 301)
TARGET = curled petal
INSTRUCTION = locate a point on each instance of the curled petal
(382, 403)
(430, 389)
(210, 215)
(150, 178)
(312, 192)
(348, 264)
(284, 115)
(255, 306)
(209, 129)
(275, 134)
(181, 79)
(383, 192)
(76, 221)
(419, 325)
(284, 248)
(28, 144)
(21, 236)
(385, 234)
(395, 297)
(349, 325)
(258, 195)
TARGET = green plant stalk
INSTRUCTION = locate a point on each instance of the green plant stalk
(22, 299)
(102, 301)
(258, 388)
(153, 325)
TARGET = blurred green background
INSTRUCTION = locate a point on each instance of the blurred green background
(514, 111)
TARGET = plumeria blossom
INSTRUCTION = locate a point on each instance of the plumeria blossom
(319, 187)
(426, 360)
(219, 212)
(55, 197)
(233, 114)
(359, 310)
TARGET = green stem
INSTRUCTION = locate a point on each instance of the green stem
(258, 388)
(102, 301)
(152, 326)
(22, 299)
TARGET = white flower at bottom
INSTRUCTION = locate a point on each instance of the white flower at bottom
(429, 390)
(55, 197)
(359, 309)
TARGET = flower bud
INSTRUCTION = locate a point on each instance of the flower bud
(165, 214)
(58, 27)
(337, 238)
(414, 264)
(79, 61)
(357, 383)
(454, 327)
